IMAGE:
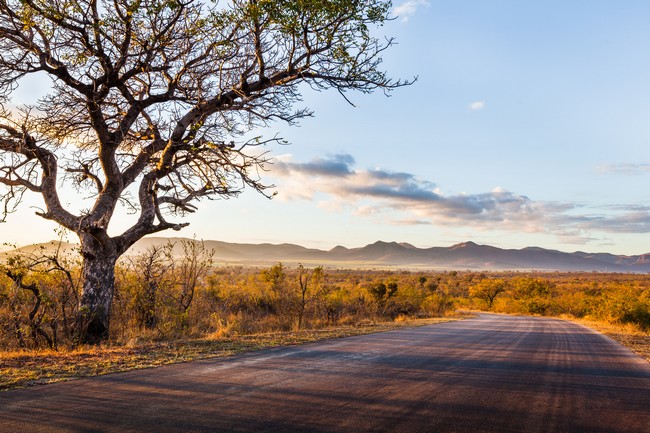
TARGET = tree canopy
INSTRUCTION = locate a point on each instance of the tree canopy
(152, 104)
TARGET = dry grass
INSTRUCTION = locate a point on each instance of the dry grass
(628, 335)
(23, 368)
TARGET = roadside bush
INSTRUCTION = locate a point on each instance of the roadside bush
(438, 305)
(638, 315)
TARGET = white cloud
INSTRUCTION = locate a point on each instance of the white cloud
(366, 210)
(407, 9)
(624, 168)
(477, 105)
(335, 184)
(375, 191)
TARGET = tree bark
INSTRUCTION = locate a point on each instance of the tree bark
(148, 312)
(97, 296)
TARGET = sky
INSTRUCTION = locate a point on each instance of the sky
(528, 125)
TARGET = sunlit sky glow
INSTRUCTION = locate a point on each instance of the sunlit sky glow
(529, 124)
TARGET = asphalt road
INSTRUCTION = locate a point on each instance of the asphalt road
(489, 374)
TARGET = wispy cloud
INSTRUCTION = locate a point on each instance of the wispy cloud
(617, 219)
(379, 190)
(407, 9)
(402, 198)
(336, 165)
(477, 105)
(624, 168)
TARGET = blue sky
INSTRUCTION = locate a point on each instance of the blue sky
(529, 124)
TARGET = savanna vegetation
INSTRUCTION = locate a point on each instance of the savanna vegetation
(172, 292)
(176, 302)
(164, 295)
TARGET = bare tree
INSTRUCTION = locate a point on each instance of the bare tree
(305, 277)
(190, 269)
(151, 103)
(151, 268)
(28, 271)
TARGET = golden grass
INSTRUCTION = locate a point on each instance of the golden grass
(28, 368)
(628, 335)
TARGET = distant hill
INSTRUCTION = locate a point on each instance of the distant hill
(466, 255)
(44, 249)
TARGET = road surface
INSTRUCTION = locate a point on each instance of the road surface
(489, 374)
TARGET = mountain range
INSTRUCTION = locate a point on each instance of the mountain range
(466, 255)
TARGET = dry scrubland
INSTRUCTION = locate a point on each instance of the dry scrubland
(171, 309)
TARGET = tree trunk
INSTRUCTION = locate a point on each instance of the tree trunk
(97, 296)
(149, 318)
